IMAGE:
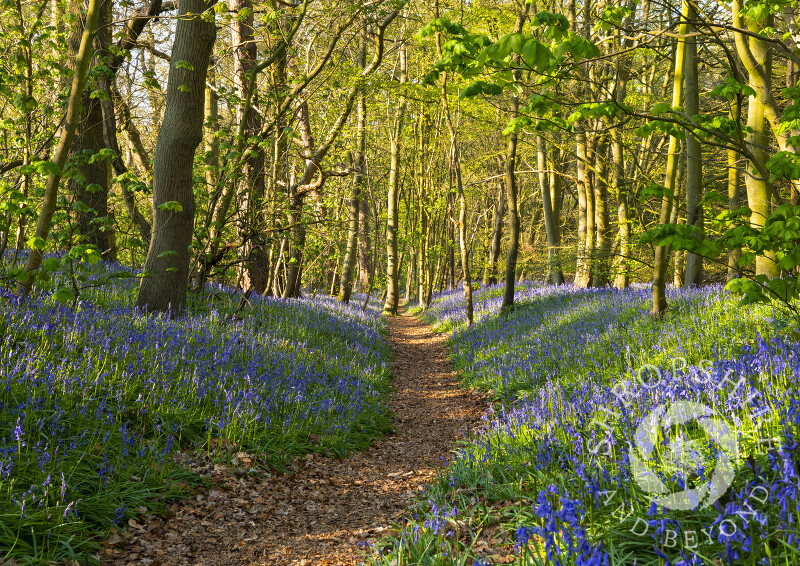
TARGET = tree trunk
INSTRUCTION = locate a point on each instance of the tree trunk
(661, 259)
(678, 256)
(132, 135)
(364, 242)
(622, 279)
(583, 264)
(73, 115)
(694, 161)
(759, 193)
(511, 189)
(90, 188)
(167, 264)
(462, 231)
(345, 285)
(550, 227)
(451, 238)
(254, 268)
(621, 270)
(591, 218)
(600, 274)
(735, 195)
(111, 141)
(393, 198)
(499, 212)
(350, 256)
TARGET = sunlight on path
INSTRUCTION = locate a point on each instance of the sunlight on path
(328, 509)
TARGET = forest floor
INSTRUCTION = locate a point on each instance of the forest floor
(327, 511)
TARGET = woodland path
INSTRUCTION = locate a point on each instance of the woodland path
(323, 512)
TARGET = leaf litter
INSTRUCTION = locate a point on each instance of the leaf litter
(325, 511)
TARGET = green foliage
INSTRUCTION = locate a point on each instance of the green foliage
(612, 17)
(715, 126)
(784, 165)
(594, 110)
(41, 168)
(470, 55)
(556, 25)
(171, 205)
(481, 87)
(653, 190)
(661, 126)
(731, 89)
(182, 64)
(779, 238)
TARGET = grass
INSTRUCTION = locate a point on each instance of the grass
(558, 473)
(96, 399)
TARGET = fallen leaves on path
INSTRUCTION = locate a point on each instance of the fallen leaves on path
(327, 510)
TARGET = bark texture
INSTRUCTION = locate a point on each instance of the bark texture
(163, 289)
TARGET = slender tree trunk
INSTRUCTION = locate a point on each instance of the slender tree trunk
(582, 267)
(735, 195)
(364, 242)
(90, 188)
(43, 225)
(393, 198)
(455, 168)
(131, 134)
(661, 260)
(622, 280)
(350, 256)
(511, 189)
(451, 237)
(556, 201)
(345, 286)
(513, 218)
(490, 277)
(462, 232)
(422, 256)
(678, 256)
(694, 160)
(591, 218)
(254, 268)
(167, 264)
(297, 243)
(600, 276)
(550, 227)
(111, 142)
(621, 270)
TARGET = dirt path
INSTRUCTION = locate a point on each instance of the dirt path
(323, 512)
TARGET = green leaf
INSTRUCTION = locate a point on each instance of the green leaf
(784, 165)
(172, 205)
(36, 243)
(732, 88)
(661, 108)
(517, 124)
(537, 55)
(100, 94)
(47, 168)
(64, 295)
(51, 264)
(481, 87)
(24, 102)
(166, 254)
